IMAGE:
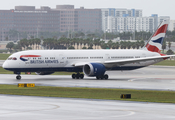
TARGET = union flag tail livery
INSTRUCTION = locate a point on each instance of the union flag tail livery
(154, 44)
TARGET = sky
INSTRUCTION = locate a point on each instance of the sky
(148, 7)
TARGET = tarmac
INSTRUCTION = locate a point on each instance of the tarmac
(46, 108)
(50, 108)
(148, 78)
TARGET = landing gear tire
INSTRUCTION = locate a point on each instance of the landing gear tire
(97, 77)
(102, 77)
(73, 76)
(18, 77)
(77, 76)
(81, 76)
(106, 76)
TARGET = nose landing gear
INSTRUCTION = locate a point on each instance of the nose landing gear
(18, 77)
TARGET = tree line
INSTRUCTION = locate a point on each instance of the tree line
(74, 43)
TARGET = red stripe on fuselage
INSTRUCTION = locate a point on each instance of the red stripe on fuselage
(162, 29)
(30, 56)
(152, 48)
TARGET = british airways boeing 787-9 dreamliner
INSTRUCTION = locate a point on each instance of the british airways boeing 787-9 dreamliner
(93, 63)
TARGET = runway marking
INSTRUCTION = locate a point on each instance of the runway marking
(117, 116)
(134, 79)
(56, 107)
(131, 113)
(137, 79)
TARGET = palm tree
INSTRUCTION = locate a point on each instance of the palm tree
(164, 45)
(137, 44)
(169, 45)
(110, 44)
(80, 42)
(24, 43)
(38, 42)
(142, 43)
(10, 45)
(133, 45)
(128, 44)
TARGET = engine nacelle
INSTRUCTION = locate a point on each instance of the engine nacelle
(94, 69)
(44, 73)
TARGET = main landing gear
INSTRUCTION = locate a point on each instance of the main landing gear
(102, 77)
(77, 76)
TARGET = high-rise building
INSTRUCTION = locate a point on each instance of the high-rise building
(110, 14)
(89, 19)
(129, 20)
(161, 18)
(131, 24)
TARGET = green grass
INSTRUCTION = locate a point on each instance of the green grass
(166, 63)
(91, 93)
(3, 71)
(4, 56)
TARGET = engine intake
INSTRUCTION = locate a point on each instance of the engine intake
(94, 69)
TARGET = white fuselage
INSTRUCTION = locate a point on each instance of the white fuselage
(64, 60)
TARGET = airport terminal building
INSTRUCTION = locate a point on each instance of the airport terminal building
(63, 18)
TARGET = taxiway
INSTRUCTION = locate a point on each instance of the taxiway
(43, 108)
(46, 108)
(149, 78)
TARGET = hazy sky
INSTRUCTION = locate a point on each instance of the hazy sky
(160, 7)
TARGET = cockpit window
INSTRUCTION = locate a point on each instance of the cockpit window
(12, 58)
(9, 58)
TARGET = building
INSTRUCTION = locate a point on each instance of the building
(89, 20)
(28, 21)
(110, 14)
(129, 24)
(129, 20)
(172, 25)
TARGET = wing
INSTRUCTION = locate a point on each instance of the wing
(127, 61)
(124, 61)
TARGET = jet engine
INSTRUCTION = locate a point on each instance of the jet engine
(94, 69)
(44, 73)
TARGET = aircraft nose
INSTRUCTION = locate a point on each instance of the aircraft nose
(5, 64)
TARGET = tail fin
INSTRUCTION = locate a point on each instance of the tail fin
(155, 42)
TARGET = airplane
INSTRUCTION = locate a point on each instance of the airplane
(93, 63)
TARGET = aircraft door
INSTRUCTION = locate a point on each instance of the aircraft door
(107, 57)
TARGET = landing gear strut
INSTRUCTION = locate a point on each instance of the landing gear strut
(77, 76)
(18, 77)
(102, 77)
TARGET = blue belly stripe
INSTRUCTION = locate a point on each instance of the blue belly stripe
(68, 69)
